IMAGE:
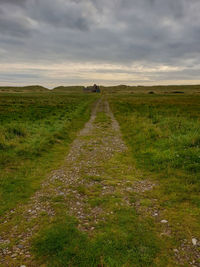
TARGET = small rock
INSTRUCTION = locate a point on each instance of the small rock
(23, 266)
(128, 189)
(20, 246)
(164, 221)
(194, 241)
(175, 250)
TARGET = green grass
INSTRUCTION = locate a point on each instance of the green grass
(155, 89)
(121, 241)
(27, 89)
(69, 89)
(163, 134)
(120, 237)
(35, 129)
(102, 118)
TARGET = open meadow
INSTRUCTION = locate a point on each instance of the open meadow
(163, 135)
(122, 189)
(35, 129)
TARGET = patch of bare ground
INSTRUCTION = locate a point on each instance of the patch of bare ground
(96, 170)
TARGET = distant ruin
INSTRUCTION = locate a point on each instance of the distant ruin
(92, 89)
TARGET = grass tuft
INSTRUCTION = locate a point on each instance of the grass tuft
(124, 241)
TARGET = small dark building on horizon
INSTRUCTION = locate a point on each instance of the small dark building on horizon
(92, 89)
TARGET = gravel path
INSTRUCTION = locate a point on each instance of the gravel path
(96, 165)
(94, 145)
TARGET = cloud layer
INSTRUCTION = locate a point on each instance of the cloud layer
(117, 41)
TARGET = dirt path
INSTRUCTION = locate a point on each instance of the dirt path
(97, 166)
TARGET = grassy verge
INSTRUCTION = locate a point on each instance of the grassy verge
(35, 130)
(163, 134)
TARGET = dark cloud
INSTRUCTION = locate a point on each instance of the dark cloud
(64, 14)
(13, 2)
(142, 32)
(14, 25)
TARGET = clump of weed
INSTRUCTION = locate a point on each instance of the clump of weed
(16, 131)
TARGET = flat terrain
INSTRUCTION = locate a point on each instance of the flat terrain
(163, 133)
(125, 192)
(35, 129)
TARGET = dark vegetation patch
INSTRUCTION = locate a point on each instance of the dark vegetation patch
(157, 89)
(72, 89)
(178, 92)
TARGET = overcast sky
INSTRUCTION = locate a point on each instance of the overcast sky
(66, 42)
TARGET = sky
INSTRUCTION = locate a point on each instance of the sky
(108, 42)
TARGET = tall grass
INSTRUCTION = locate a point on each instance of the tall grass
(31, 126)
(163, 133)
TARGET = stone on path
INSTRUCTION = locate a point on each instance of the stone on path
(194, 241)
(164, 221)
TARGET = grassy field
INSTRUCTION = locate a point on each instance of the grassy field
(35, 129)
(163, 133)
(104, 217)
(23, 89)
(159, 89)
